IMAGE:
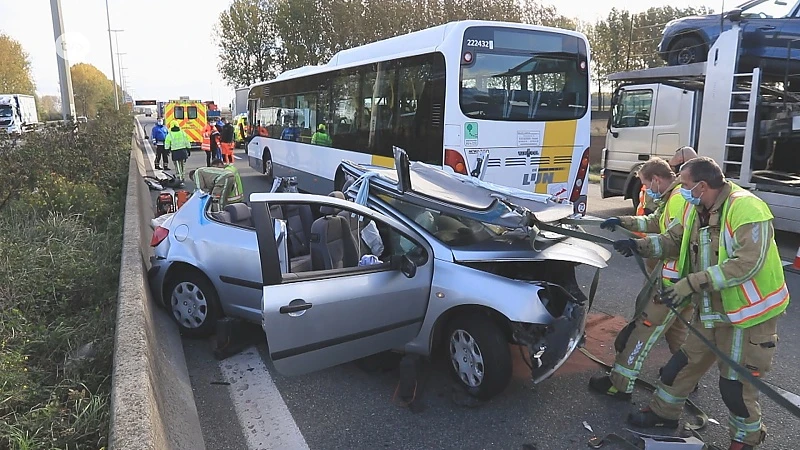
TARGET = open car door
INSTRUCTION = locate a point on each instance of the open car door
(321, 318)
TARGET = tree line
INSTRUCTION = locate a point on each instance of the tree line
(258, 39)
(91, 88)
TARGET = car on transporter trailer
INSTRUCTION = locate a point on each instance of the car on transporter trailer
(462, 268)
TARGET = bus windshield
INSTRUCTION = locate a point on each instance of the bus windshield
(523, 75)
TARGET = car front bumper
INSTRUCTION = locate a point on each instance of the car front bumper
(549, 346)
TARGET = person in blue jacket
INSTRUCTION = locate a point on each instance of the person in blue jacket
(159, 134)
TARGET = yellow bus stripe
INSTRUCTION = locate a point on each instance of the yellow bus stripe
(559, 141)
(383, 161)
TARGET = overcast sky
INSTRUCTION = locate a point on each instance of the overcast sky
(163, 60)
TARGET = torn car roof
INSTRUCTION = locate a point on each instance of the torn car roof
(466, 191)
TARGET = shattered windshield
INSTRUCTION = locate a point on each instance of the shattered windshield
(455, 230)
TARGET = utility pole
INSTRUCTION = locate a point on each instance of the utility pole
(119, 63)
(113, 69)
(64, 75)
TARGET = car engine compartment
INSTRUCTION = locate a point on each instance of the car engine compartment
(548, 345)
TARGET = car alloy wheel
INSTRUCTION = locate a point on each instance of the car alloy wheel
(687, 56)
(189, 305)
(467, 359)
(480, 356)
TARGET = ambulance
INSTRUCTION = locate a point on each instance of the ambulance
(191, 115)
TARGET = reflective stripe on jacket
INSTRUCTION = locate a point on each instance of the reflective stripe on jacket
(237, 192)
(753, 299)
(177, 140)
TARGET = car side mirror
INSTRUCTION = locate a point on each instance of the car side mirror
(734, 15)
(146, 136)
(408, 267)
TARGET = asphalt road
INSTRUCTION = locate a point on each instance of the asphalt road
(244, 403)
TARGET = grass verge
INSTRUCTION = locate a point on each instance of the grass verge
(594, 173)
(60, 241)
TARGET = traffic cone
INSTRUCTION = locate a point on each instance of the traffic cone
(796, 265)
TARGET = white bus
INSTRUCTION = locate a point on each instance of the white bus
(506, 102)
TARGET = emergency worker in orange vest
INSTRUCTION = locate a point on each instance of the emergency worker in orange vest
(206, 144)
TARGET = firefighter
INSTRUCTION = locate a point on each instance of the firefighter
(730, 268)
(634, 342)
(215, 180)
(159, 134)
(237, 192)
(321, 136)
(682, 155)
(178, 143)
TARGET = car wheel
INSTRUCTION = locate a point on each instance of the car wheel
(193, 304)
(479, 355)
(687, 50)
(268, 169)
(636, 188)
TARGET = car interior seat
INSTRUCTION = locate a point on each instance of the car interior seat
(299, 219)
(356, 225)
(240, 214)
(332, 244)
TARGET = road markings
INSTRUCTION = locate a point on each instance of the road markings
(263, 415)
(151, 155)
(237, 157)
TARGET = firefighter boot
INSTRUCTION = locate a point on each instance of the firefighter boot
(646, 418)
(603, 385)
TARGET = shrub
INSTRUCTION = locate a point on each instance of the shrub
(60, 240)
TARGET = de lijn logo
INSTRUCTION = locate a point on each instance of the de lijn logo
(73, 46)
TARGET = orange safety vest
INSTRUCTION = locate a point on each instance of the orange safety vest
(262, 131)
(642, 200)
(206, 144)
(640, 208)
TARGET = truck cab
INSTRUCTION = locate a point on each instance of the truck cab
(647, 120)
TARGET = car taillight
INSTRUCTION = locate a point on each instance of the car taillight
(159, 234)
(454, 159)
(580, 177)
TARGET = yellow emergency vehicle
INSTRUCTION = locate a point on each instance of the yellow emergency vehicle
(191, 115)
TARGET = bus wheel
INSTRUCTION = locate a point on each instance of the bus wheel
(268, 169)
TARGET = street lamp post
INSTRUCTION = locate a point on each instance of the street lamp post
(111, 49)
(119, 62)
(67, 99)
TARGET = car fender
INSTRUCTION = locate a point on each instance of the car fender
(506, 299)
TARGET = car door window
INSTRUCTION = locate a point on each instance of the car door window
(632, 109)
(342, 241)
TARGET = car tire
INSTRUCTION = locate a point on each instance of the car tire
(193, 303)
(687, 50)
(636, 187)
(480, 357)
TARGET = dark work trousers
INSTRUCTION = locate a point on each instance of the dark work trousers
(162, 153)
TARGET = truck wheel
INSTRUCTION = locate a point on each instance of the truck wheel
(687, 50)
(636, 187)
(479, 355)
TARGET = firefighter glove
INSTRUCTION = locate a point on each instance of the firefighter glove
(610, 224)
(626, 247)
(674, 295)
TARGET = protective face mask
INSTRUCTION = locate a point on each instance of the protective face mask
(687, 195)
(655, 195)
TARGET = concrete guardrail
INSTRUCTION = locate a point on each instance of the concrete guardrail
(152, 405)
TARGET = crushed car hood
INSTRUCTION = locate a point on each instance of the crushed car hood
(547, 246)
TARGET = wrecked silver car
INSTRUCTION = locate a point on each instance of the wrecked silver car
(462, 267)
